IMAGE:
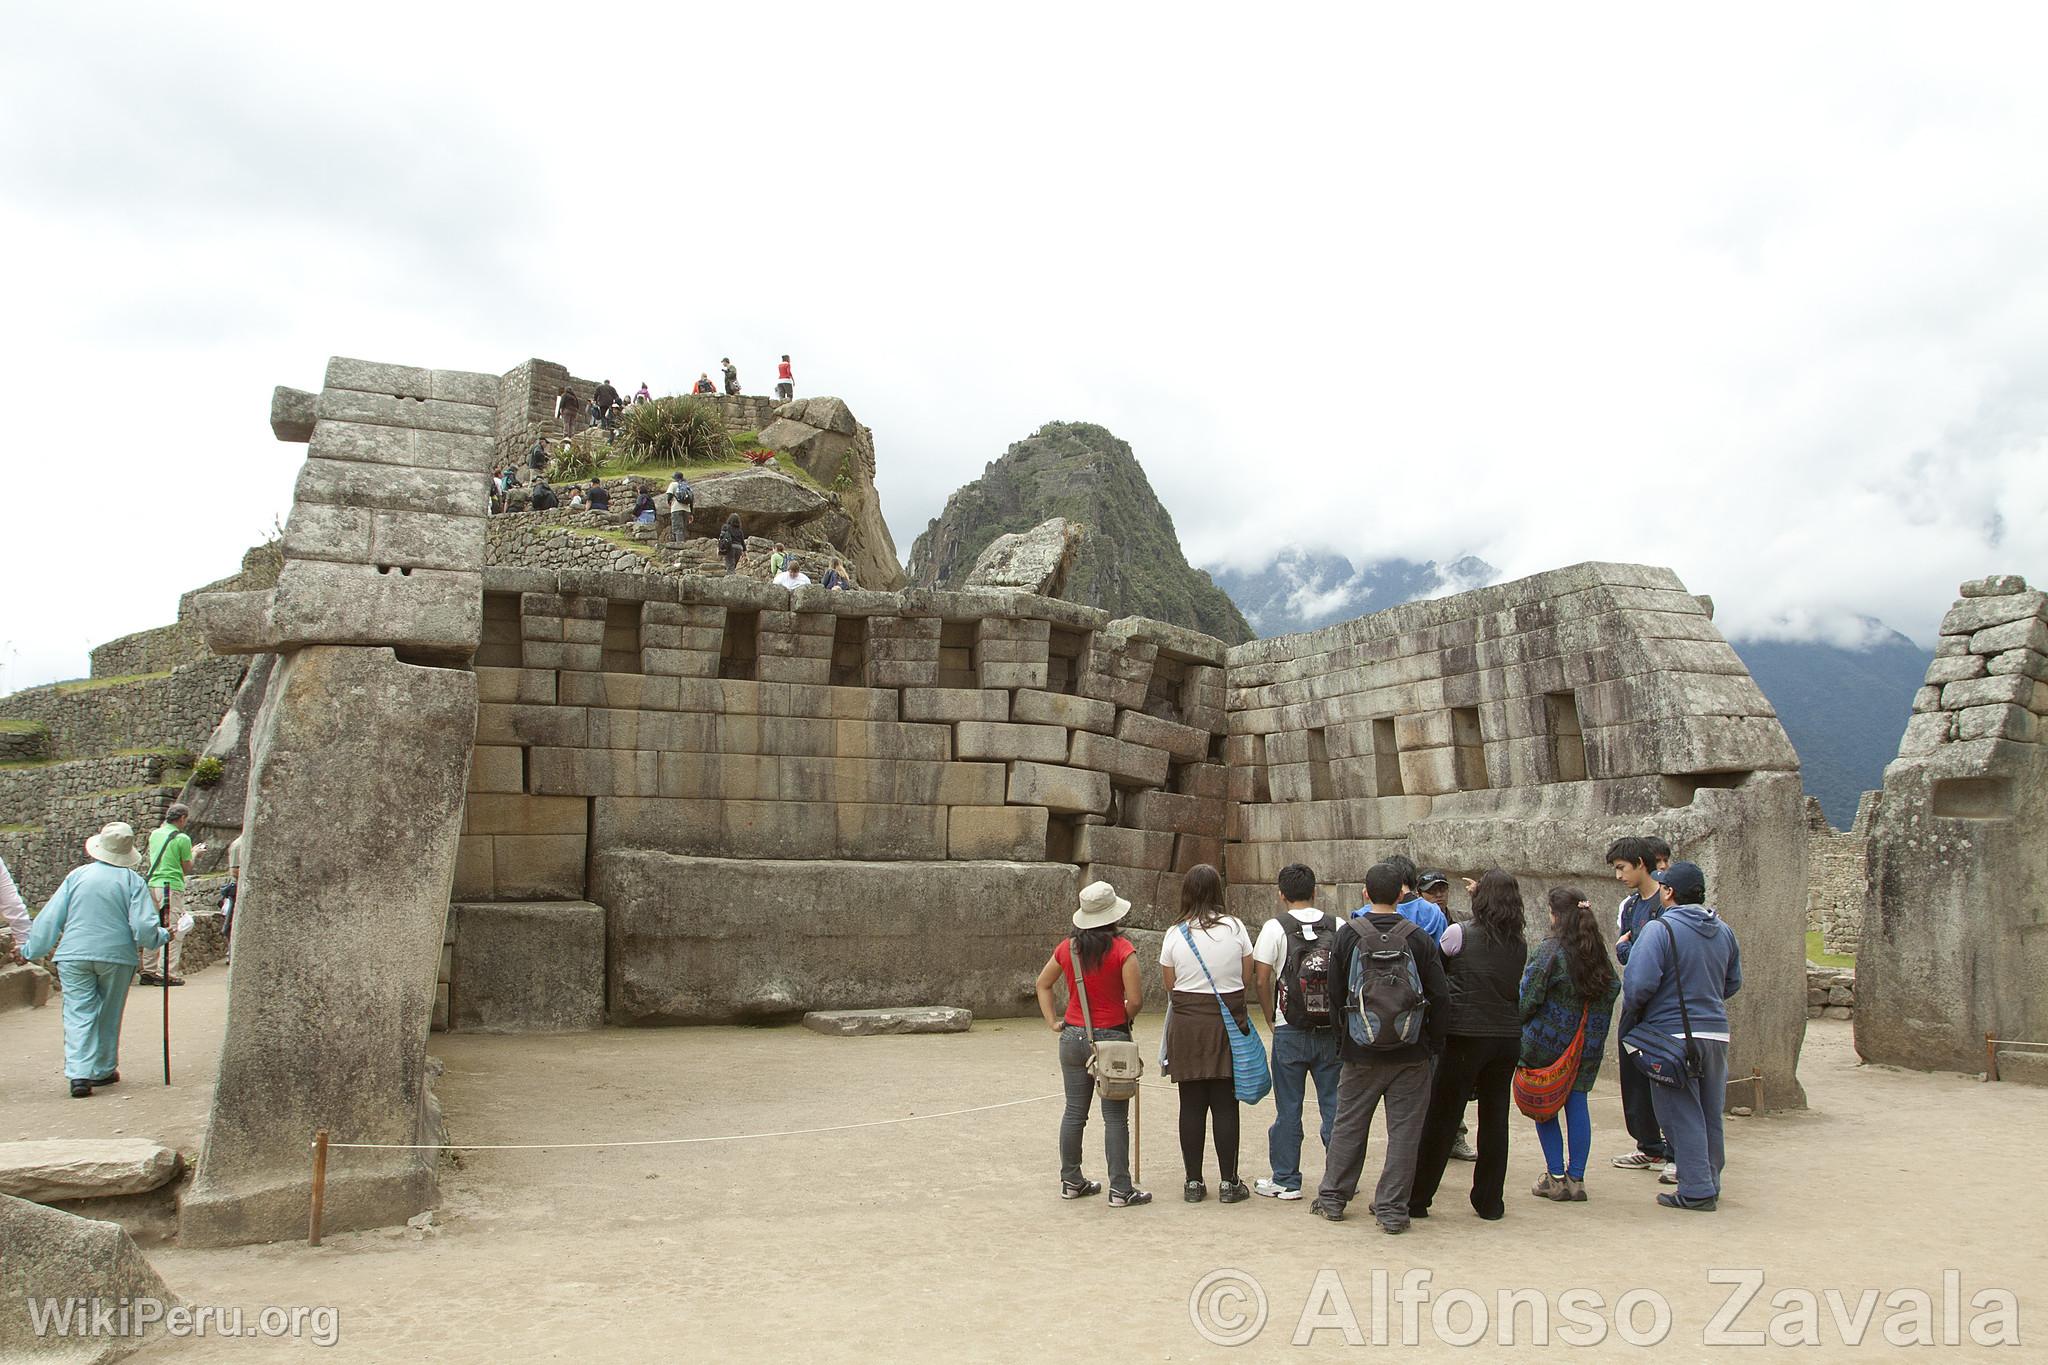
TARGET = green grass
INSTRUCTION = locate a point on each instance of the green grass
(182, 755)
(91, 684)
(1819, 956)
(22, 727)
(623, 539)
(21, 829)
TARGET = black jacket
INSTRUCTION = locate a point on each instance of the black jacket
(1485, 978)
(1429, 965)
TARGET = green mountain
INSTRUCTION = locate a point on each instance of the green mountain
(1129, 561)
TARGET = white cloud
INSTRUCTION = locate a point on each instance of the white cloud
(1757, 294)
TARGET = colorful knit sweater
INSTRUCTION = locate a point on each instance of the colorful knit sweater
(1550, 1014)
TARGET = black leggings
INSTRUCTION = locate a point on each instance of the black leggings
(1199, 1101)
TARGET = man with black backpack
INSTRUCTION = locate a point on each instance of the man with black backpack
(1390, 1025)
(1293, 956)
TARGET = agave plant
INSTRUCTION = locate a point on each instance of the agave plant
(674, 431)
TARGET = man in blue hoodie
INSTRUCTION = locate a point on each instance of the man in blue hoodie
(1674, 1007)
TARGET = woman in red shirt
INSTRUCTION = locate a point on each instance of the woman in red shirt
(1109, 973)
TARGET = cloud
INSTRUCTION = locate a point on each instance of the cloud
(1760, 299)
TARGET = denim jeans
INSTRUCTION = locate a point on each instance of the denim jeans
(1116, 1114)
(1568, 1138)
(1298, 1054)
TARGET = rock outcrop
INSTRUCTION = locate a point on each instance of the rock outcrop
(821, 435)
(52, 1255)
(1128, 560)
(1036, 560)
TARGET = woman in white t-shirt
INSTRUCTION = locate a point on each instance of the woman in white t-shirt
(1197, 1045)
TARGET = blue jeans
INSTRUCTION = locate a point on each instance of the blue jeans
(1574, 1125)
(1298, 1054)
(1116, 1114)
(1690, 1115)
(94, 995)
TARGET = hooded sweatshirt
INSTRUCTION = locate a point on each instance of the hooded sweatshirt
(1695, 951)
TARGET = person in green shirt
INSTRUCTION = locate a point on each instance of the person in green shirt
(168, 863)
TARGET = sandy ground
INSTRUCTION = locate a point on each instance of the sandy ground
(944, 1238)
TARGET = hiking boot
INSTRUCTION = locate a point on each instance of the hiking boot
(1670, 1176)
(1461, 1150)
(1194, 1192)
(1574, 1190)
(1638, 1161)
(1323, 1209)
(1679, 1201)
(1268, 1189)
(1551, 1187)
(1131, 1200)
(81, 1090)
(1392, 1229)
(1079, 1189)
(1232, 1192)
(107, 1079)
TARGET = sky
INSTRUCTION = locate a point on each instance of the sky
(1757, 292)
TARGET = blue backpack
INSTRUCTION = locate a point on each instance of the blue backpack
(1385, 987)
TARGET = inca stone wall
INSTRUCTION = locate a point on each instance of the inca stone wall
(1955, 927)
(175, 710)
(1838, 877)
(1525, 726)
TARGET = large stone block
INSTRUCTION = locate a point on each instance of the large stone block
(687, 943)
(1173, 813)
(1060, 708)
(84, 1168)
(1974, 614)
(53, 1255)
(897, 1020)
(320, 602)
(997, 833)
(1183, 742)
(340, 917)
(1139, 848)
(1134, 764)
(533, 967)
(950, 704)
(1002, 742)
(1071, 790)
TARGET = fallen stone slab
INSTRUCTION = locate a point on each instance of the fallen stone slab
(84, 1168)
(24, 987)
(57, 1255)
(906, 1019)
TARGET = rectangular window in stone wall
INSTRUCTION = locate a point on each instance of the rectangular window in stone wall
(740, 646)
(1973, 798)
(1469, 749)
(1567, 739)
(1163, 692)
(500, 645)
(1065, 649)
(1386, 756)
(622, 637)
(956, 655)
(1321, 786)
(849, 651)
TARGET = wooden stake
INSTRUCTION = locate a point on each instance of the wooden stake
(1991, 1056)
(319, 1188)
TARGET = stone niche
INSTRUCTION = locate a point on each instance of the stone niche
(1954, 946)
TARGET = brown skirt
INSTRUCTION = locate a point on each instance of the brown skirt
(1197, 1044)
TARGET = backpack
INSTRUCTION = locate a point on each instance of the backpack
(1305, 972)
(1385, 988)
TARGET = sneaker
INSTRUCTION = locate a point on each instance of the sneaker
(1080, 1189)
(1638, 1161)
(175, 981)
(1574, 1190)
(1263, 1186)
(81, 1090)
(1131, 1200)
(1461, 1150)
(1333, 1212)
(1194, 1192)
(1679, 1201)
(1551, 1187)
(1670, 1175)
(1392, 1229)
(1232, 1192)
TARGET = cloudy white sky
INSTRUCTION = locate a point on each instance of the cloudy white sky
(1755, 291)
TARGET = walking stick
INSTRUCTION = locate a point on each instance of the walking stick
(165, 962)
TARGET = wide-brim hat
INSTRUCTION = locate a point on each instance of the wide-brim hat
(115, 845)
(1100, 905)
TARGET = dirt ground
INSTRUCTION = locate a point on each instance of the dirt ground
(944, 1238)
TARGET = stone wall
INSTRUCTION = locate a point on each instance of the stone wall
(48, 810)
(526, 406)
(149, 651)
(1830, 992)
(175, 711)
(1525, 726)
(1837, 876)
(1955, 926)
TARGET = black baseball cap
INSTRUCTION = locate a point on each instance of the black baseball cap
(1688, 884)
(1431, 878)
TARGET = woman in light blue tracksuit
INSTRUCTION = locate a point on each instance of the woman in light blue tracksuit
(99, 918)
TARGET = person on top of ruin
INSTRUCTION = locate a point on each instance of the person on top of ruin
(1674, 1025)
(732, 543)
(1292, 957)
(600, 497)
(836, 579)
(682, 501)
(1569, 978)
(170, 856)
(1097, 961)
(604, 401)
(544, 499)
(1634, 861)
(1483, 961)
(15, 912)
(642, 395)
(704, 384)
(102, 913)
(1205, 961)
(792, 574)
(785, 381)
(566, 407)
(732, 375)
